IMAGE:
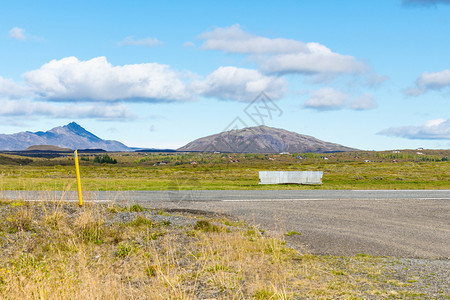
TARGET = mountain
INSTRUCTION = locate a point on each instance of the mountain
(262, 139)
(71, 136)
(48, 148)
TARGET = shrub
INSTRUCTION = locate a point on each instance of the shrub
(105, 159)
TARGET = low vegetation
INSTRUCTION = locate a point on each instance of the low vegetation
(406, 169)
(105, 159)
(59, 251)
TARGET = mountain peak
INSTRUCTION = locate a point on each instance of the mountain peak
(74, 126)
(71, 136)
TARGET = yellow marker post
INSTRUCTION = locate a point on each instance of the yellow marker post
(77, 169)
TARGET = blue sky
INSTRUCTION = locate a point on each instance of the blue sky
(372, 75)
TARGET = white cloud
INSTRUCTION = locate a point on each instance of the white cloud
(28, 108)
(331, 99)
(188, 44)
(234, 40)
(232, 83)
(282, 55)
(17, 34)
(319, 59)
(375, 79)
(9, 89)
(131, 41)
(97, 80)
(431, 130)
(327, 99)
(364, 102)
(430, 81)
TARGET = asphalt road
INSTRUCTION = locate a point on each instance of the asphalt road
(389, 223)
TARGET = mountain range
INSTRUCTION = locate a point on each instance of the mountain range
(259, 139)
(71, 136)
(262, 139)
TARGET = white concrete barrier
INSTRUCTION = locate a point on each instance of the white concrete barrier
(285, 177)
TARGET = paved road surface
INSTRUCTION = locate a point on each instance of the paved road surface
(391, 223)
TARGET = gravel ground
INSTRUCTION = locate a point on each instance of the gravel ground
(428, 278)
(431, 277)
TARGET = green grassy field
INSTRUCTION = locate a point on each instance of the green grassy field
(173, 171)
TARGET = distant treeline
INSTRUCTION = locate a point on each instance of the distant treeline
(408, 156)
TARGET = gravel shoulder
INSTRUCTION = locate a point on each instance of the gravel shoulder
(425, 278)
(414, 228)
(411, 236)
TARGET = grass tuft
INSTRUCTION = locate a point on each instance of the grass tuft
(89, 226)
(21, 220)
(263, 295)
(136, 208)
(141, 221)
(291, 233)
(125, 249)
(206, 226)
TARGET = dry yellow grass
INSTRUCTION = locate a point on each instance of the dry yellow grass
(60, 251)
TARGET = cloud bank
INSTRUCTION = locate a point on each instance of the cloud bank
(430, 81)
(232, 83)
(330, 99)
(234, 40)
(326, 99)
(438, 129)
(96, 81)
(147, 42)
(28, 108)
(281, 55)
(9, 89)
(424, 2)
(364, 102)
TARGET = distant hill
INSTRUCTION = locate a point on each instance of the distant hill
(71, 136)
(48, 148)
(262, 139)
